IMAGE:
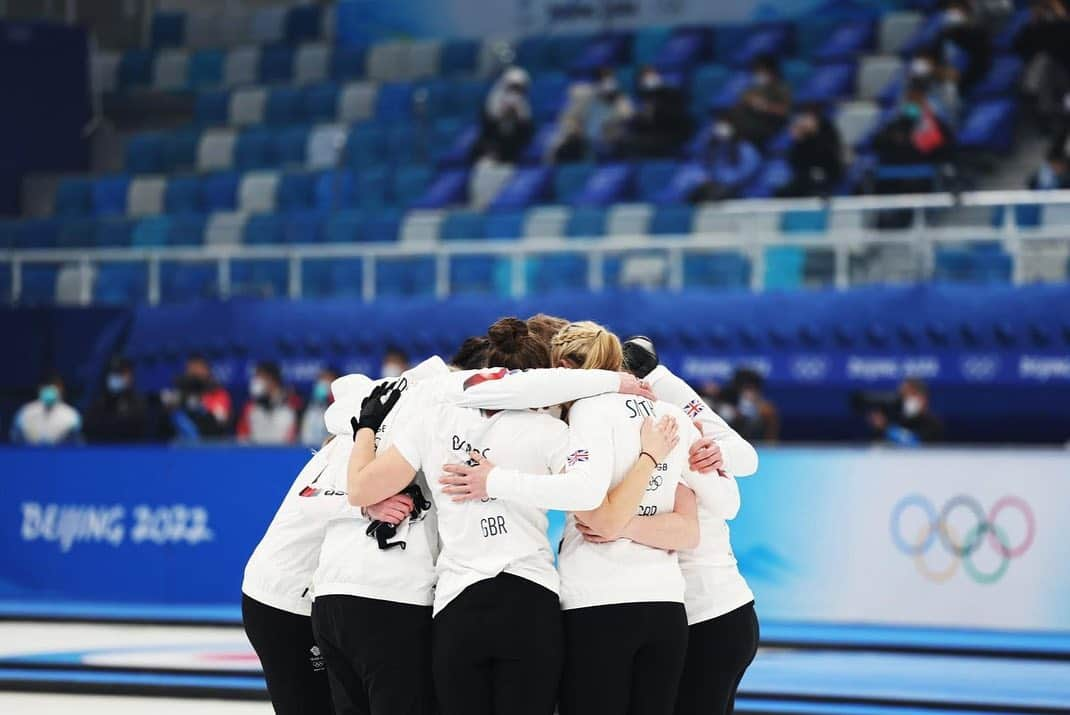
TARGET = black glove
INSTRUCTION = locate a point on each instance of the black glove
(375, 407)
(640, 357)
(384, 532)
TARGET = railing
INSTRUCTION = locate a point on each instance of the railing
(747, 227)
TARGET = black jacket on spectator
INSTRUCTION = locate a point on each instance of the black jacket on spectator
(816, 161)
(973, 39)
(505, 139)
(1051, 37)
(661, 123)
(926, 426)
(898, 142)
(117, 417)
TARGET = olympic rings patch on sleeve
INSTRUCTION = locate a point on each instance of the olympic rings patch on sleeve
(936, 530)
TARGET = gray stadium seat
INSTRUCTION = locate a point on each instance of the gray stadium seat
(247, 106)
(215, 150)
(357, 101)
(421, 227)
(629, 219)
(105, 71)
(854, 119)
(239, 67)
(325, 145)
(311, 62)
(644, 271)
(224, 228)
(69, 282)
(487, 180)
(874, 74)
(546, 222)
(494, 54)
(423, 59)
(710, 219)
(268, 24)
(388, 61)
(171, 70)
(256, 193)
(896, 28)
(144, 196)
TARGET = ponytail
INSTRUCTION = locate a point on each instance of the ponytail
(587, 345)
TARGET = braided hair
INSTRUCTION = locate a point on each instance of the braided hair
(587, 345)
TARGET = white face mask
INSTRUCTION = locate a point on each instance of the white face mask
(391, 370)
(723, 130)
(762, 79)
(955, 17)
(911, 406)
(257, 388)
(921, 67)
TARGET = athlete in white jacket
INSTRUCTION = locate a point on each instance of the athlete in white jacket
(497, 635)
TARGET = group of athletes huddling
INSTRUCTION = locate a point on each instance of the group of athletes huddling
(408, 570)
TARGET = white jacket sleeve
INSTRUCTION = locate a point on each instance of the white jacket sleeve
(500, 389)
(588, 465)
(740, 458)
(324, 495)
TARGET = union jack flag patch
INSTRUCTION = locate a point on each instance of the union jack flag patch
(693, 408)
(580, 455)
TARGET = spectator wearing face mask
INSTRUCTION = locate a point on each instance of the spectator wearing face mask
(917, 134)
(395, 362)
(200, 407)
(764, 107)
(313, 427)
(927, 69)
(120, 413)
(1043, 45)
(48, 420)
(595, 121)
(915, 422)
(270, 415)
(815, 156)
(1053, 174)
(661, 123)
(507, 125)
(729, 159)
(743, 405)
(965, 44)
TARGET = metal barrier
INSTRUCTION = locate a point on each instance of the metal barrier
(861, 250)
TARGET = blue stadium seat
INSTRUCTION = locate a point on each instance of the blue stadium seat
(151, 232)
(1001, 79)
(796, 73)
(263, 229)
(219, 191)
(76, 233)
(121, 283)
(784, 267)
(409, 184)
(185, 230)
(533, 54)
(347, 62)
(607, 50)
(609, 184)
(774, 39)
(73, 197)
(924, 36)
(561, 272)
(566, 48)
(990, 126)
(345, 226)
(671, 221)
(706, 82)
(113, 233)
(319, 102)
(182, 194)
(405, 277)
(569, 180)
(548, 94)
(716, 270)
(449, 187)
(332, 278)
(145, 153)
(35, 233)
(371, 187)
(296, 191)
(648, 44)
(288, 146)
(527, 186)
(828, 83)
(729, 93)
(586, 222)
(1010, 28)
(38, 284)
(212, 107)
(684, 49)
(771, 177)
(803, 221)
(332, 190)
(305, 226)
(168, 29)
(180, 149)
(457, 148)
(182, 281)
(275, 64)
(254, 149)
(462, 226)
(382, 226)
(393, 102)
(504, 225)
(652, 177)
(303, 23)
(846, 41)
(109, 195)
(406, 143)
(538, 148)
(479, 274)
(135, 68)
(459, 57)
(366, 144)
(259, 277)
(972, 265)
(206, 68)
(284, 105)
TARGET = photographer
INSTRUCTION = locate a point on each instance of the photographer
(909, 420)
(507, 125)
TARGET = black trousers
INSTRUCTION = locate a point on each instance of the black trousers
(497, 649)
(293, 668)
(623, 659)
(377, 655)
(718, 653)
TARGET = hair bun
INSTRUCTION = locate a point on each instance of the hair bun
(506, 334)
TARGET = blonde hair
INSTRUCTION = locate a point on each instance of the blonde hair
(587, 345)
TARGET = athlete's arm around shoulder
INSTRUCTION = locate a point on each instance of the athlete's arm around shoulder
(740, 457)
(501, 389)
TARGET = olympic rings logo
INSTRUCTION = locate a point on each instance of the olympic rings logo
(937, 528)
